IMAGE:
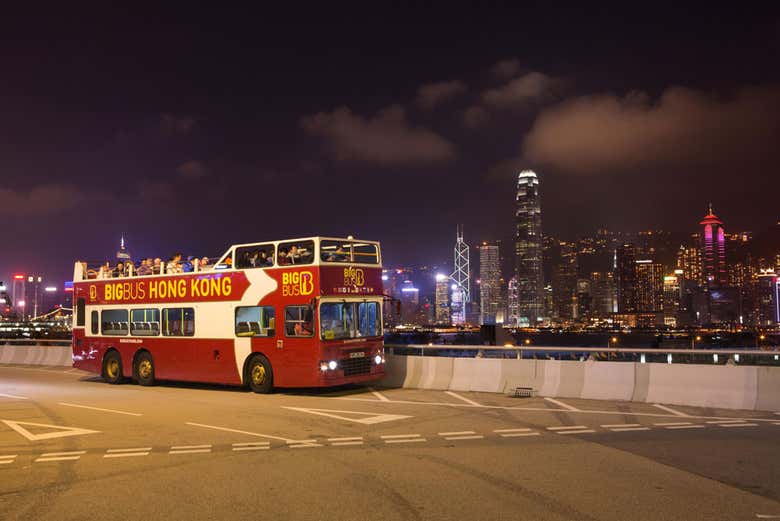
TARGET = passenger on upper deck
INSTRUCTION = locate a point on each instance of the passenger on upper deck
(186, 266)
(174, 264)
(144, 269)
(283, 260)
(204, 264)
(157, 266)
(119, 270)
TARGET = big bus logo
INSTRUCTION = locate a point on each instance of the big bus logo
(354, 277)
(295, 283)
(93, 292)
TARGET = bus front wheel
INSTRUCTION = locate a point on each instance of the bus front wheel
(112, 368)
(144, 369)
(260, 376)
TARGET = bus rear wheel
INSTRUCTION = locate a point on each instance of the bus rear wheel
(144, 369)
(112, 368)
(260, 376)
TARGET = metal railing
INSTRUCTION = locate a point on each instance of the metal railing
(738, 355)
(35, 341)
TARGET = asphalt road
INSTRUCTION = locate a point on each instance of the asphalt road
(73, 448)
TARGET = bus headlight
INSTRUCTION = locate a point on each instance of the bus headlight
(332, 365)
(378, 359)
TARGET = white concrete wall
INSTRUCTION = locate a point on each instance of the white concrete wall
(718, 386)
(36, 355)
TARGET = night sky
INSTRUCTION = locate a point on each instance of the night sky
(192, 129)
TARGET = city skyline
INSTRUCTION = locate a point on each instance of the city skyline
(133, 136)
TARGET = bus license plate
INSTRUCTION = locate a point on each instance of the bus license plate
(359, 354)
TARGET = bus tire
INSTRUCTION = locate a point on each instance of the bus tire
(144, 369)
(112, 368)
(260, 375)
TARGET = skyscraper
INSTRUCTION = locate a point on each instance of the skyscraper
(461, 279)
(625, 267)
(490, 282)
(649, 286)
(512, 306)
(442, 299)
(713, 248)
(528, 248)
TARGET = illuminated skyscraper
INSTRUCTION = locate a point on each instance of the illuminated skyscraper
(649, 286)
(442, 299)
(122, 254)
(490, 282)
(512, 306)
(528, 248)
(689, 261)
(768, 299)
(625, 271)
(713, 248)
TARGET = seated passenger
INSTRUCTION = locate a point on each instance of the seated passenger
(144, 269)
(174, 264)
(157, 266)
(105, 271)
(262, 259)
(119, 270)
(204, 264)
(283, 260)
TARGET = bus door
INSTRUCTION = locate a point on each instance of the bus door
(296, 339)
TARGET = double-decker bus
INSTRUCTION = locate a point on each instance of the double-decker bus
(296, 313)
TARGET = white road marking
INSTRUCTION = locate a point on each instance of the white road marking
(61, 431)
(582, 431)
(561, 404)
(251, 445)
(392, 436)
(351, 438)
(345, 443)
(620, 425)
(718, 422)
(463, 398)
(458, 433)
(768, 516)
(566, 427)
(669, 424)
(408, 440)
(475, 437)
(366, 418)
(125, 454)
(259, 435)
(499, 431)
(519, 434)
(669, 409)
(13, 396)
(305, 445)
(138, 449)
(6, 459)
(379, 395)
(60, 456)
(686, 427)
(193, 451)
(547, 409)
(187, 447)
(100, 409)
(738, 425)
(628, 429)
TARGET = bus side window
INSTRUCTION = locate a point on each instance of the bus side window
(255, 321)
(80, 312)
(298, 321)
(95, 323)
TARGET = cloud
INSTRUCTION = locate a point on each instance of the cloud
(527, 89)
(192, 169)
(46, 199)
(475, 117)
(386, 138)
(683, 127)
(432, 94)
(506, 69)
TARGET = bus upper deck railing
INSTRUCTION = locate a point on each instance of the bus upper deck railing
(738, 355)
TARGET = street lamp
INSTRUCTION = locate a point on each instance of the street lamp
(695, 339)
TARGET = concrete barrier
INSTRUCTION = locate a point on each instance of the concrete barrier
(718, 386)
(36, 355)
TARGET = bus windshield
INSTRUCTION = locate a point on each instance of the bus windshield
(339, 320)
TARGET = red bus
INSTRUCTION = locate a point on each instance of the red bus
(296, 313)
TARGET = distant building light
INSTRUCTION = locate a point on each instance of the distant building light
(407, 290)
(19, 276)
(30, 278)
(644, 261)
(3, 288)
(50, 289)
(441, 277)
(385, 278)
(20, 303)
